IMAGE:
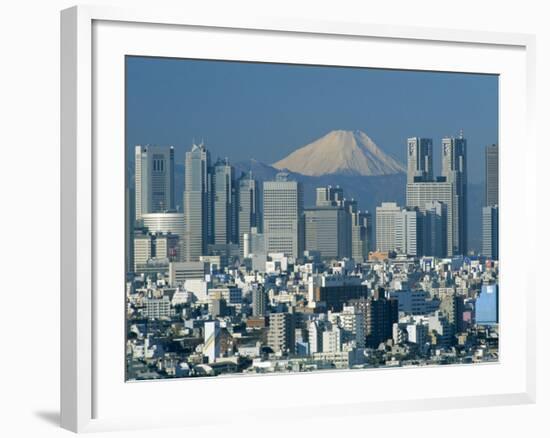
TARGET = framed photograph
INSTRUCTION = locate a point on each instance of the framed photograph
(308, 218)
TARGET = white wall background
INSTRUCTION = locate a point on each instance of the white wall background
(29, 185)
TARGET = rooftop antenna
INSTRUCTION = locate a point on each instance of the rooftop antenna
(461, 134)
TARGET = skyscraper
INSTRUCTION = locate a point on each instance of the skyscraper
(224, 197)
(489, 229)
(196, 198)
(154, 179)
(489, 213)
(129, 219)
(409, 232)
(419, 159)
(386, 215)
(249, 207)
(419, 194)
(491, 175)
(454, 169)
(361, 239)
(435, 229)
(283, 216)
(327, 230)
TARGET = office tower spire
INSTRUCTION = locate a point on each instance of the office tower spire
(154, 179)
(419, 159)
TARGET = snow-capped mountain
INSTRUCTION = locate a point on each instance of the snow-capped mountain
(341, 152)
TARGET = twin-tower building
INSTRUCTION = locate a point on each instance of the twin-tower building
(434, 220)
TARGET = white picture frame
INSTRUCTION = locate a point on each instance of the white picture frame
(85, 177)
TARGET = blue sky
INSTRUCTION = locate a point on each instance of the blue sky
(265, 111)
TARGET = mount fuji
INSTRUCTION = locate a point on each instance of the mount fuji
(351, 153)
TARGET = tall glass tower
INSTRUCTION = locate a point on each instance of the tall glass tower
(249, 207)
(491, 175)
(224, 203)
(455, 171)
(154, 179)
(196, 197)
(283, 216)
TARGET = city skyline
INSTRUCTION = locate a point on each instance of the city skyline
(245, 109)
(280, 268)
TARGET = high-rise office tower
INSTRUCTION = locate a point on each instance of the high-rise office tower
(280, 336)
(454, 169)
(491, 175)
(196, 202)
(409, 232)
(129, 219)
(435, 229)
(419, 194)
(224, 197)
(419, 159)
(154, 179)
(489, 231)
(249, 207)
(386, 215)
(361, 230)
(327, 230)
(283, 216)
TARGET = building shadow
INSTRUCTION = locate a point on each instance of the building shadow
(51, 417)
